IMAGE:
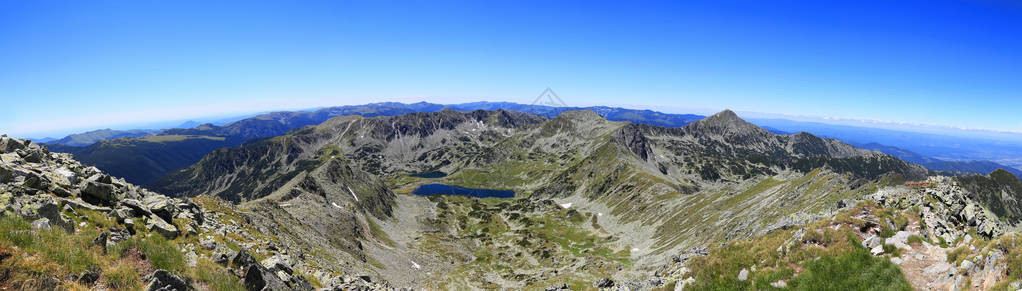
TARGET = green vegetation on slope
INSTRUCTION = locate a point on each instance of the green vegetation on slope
(828, 259)
(519, 241)
(30, 256)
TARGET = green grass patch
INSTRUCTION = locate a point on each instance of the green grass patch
(215, 276)
(122, 276)
(958, 254)
(857, 270)
(161, 253)
(915, 239)
(71, 252)
(379, 234)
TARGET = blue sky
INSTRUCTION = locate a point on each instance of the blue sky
(71, 65)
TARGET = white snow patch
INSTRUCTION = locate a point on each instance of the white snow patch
(599, 214)
(566, 205)
(335, 205)
(635, 249)
(414, 265)
(352, 193)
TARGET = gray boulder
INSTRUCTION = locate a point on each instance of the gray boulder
(223, 256)
(9, 144)
(604, 283)
(258, 278)
(102, 240)
(243, 258)
(162, 227)
(41, 224)
(161, 206)
(101, 192)
(743, 275)
(278, 263)
(88, 277)
(163, 280)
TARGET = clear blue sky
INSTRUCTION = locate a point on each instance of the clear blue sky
(85, 64)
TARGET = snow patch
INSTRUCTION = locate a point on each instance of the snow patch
(599, 214)
(635, 249)
(414, 265)
(335, 205)
(566, 205)
(352, 193)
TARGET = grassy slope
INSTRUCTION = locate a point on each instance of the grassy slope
(32, 256)
(507, 241)
(829, 259)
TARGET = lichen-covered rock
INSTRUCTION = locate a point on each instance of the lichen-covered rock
(101, 192)
(258, 278)
(243, 258)
(162, 227)
(41, 224)
(163, 280)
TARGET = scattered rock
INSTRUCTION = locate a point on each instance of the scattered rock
(258, 278)
(780, 284)
(743, 275)
(88, 277)
(162, 227)
(966, 266)
(208, 243)
(103, 193)
(163, 280)
(871, 242)
(243, 258)
(278, 263)
(41, 224)
(878, 250)
(191, 259)
(223, 256)
(604, 283)
(101, 240)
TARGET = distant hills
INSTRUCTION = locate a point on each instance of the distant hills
(145, 157)
(954, 167)
(1002, 150)
(91, 137)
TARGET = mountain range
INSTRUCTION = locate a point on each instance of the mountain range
(596, 204)
(142, 156)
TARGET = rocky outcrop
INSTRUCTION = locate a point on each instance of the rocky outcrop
(947, 208)
(163, 280)
(39, 184)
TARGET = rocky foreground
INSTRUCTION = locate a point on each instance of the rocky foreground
(55, 208)
(926, 235)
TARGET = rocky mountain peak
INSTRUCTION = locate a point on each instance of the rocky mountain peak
(729, 119)
(728, 125)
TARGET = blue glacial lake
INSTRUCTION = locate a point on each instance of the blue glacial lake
(441, 189)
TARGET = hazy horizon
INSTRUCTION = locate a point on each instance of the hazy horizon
(748, 115)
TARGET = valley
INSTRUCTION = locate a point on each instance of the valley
(575, 201)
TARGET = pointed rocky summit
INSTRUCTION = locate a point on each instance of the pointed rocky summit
(728, 125)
